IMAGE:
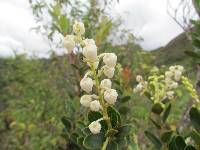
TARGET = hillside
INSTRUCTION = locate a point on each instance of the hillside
(173, 52)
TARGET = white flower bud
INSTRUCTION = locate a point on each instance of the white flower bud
(90, 53)
(139, 78)
(110, 96)
(95, 105)
(106, 83)
(86, 84)
(108, 71)
(173, 85)
(78, 28)
(138, 88)
(69, 43)
(110, 59)
(177, 75)
(180, 68)
(86, 100)
(168, 74)
(95, 127)
(89, 42)
(170, 94)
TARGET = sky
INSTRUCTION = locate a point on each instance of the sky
(145, 18)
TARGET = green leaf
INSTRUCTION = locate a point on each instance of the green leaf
(125, 99)
(190, 147)
(114, 116)
(157, 108)
(155, 123)
(124, 130)
(166, 136)
(172, 144)
(64, 24)
(180, 143)
(196, 137)
(93, 116)
(156, 142)
(86, 131)
(166, 113)
(195, 118)
(94, 141)
(67, 123)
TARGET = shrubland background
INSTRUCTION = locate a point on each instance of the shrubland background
(36, 93)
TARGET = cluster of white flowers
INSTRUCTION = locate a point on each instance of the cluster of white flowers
(105, 94)
(141, 86)
(172, 77)
(70, 41)
(165, 84)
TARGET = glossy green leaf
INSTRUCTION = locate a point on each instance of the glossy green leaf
(67, 123)
(94, 141)
(195, 118)
(166, 136)
(93, 116)
(195, 136)
(156, 142)
(166, 113)
(180, 143)
(114, 116)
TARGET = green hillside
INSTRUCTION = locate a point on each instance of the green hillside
(173, 52)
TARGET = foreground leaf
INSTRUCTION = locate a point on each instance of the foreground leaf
(94, 141)
(156, 142)
(195, 118)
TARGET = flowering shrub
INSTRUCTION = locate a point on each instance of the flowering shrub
(105, 129)
(161, 89)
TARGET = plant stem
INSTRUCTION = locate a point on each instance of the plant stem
(104, 107)
(105, 144)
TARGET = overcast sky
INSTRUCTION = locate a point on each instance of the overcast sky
(146, 18)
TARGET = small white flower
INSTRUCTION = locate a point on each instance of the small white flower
(138, 88)
(168, 74)
(110, 96)
(180, 68)
(86, 84)
(69, 43)
(110, 59)
(177, 75)
(90, 53)
(95, 127)
(139, 78)
(108, 71)
(78, 28)
(170, 94)
(173, 85)
(86, 100)
(172, 68)
(106, 83)
(95, 105)
(89, 42)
